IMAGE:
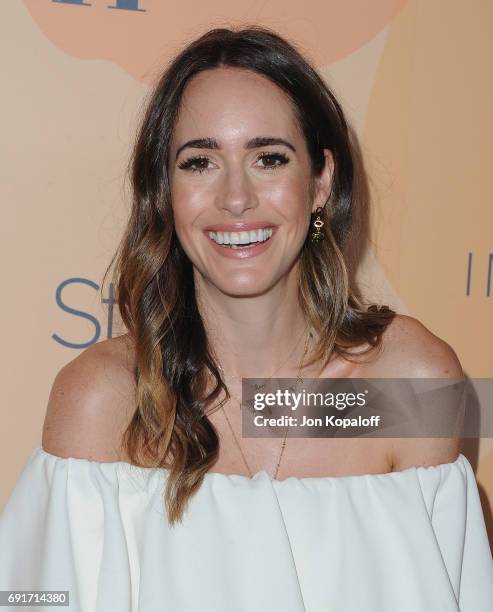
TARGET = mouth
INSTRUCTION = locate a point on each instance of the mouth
(243, 243)
(241, 240)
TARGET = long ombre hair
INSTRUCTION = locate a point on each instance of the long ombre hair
(154, 279)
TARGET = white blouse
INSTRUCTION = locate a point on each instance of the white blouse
(408, 541)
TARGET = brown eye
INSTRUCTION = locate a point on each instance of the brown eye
(279, 158)
(192, 162)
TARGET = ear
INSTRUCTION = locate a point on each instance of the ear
(323, 182)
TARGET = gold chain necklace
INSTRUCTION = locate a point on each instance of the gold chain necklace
(259, 387)
(298, 380)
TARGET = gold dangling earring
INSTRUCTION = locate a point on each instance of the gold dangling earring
(317, 235)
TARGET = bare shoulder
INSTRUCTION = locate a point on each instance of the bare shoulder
(411, 350)
(90, 403)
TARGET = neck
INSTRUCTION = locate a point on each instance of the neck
(255, 336)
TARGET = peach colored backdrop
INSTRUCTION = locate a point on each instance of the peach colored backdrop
(414, 78)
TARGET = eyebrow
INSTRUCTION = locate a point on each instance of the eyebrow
(253, 143)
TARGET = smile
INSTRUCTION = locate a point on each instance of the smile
(246, 239)
(241, 245)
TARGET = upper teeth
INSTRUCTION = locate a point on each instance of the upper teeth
(241, 237)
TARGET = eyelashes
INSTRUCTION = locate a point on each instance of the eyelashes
(190, 163)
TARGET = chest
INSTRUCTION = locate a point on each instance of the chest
(301, 456)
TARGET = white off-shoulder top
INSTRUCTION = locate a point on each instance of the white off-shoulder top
(408, 541)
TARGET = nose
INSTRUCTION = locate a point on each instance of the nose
(237, 193)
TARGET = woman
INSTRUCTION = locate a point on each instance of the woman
(242, 135)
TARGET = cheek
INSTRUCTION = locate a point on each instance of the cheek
(290, 198)
(188, 202)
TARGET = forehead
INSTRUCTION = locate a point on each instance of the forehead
(231, 104)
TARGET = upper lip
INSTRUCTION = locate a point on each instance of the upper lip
(238, 227)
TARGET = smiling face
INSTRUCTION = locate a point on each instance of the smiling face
(238, 161)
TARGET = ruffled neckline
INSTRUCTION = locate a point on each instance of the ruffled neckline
(261, 473)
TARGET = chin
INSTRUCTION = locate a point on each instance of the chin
(250, 287)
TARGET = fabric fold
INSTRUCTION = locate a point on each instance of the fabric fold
(413, 541)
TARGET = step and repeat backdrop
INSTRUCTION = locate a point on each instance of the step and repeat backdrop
(414, 79)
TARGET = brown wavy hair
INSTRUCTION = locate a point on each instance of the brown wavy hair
(153, 276)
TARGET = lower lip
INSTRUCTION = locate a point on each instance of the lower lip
(242, 253)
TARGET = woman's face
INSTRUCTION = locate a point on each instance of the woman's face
(232, 180)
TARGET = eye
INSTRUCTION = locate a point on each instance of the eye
(277, 157)
(189, 163)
